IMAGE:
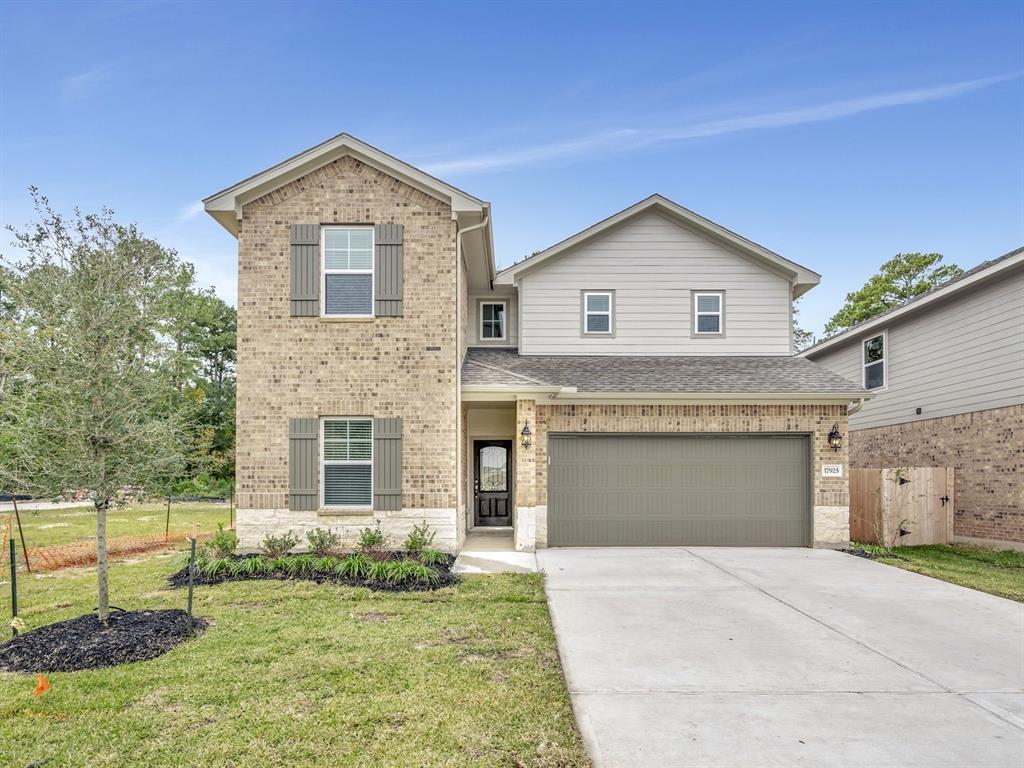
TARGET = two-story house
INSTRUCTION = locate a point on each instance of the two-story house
(947, 372)
(634, 384)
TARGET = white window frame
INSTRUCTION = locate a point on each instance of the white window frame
(587, 312)
(504, 322)
(698, 313)
(324, 462)
(324, 271)
(884, 335)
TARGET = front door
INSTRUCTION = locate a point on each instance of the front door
(492, 482)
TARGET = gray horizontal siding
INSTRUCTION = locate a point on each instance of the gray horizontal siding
(652, 264)
(512, 320)
(965, 354)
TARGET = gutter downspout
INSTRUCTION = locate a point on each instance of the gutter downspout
(854, 407)
(459, 459)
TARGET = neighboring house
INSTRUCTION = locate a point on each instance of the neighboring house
(633, 384)
(947, 369)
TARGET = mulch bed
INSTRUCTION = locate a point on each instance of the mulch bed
(83, 643)
(180, 579)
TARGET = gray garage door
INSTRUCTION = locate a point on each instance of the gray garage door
(659, 490)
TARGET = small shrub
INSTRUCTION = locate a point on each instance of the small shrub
(372, 539)
(211, 569)
(433, 557)
(412, 570)
(275, 546)
(323, 541)
(419, 538)
(355, 566)
(222, 543)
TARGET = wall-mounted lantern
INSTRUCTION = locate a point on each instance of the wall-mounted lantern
(835, 438)
(527, 435)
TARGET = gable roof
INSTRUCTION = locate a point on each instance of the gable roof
(226, 206)
(779, 376)
(803, 279)
(983, 272)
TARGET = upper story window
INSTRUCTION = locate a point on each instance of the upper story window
(492, 321)
(874, 362)
(347, 271)
(598, 313)
(708, 313)
(347, 463)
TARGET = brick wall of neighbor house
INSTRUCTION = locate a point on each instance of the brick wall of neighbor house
(831, 495)
(986, 448)
(307, 366)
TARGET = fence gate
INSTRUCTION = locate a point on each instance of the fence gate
(915, 500)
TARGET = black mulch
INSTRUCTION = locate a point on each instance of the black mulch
(83, 643)
(444, 570)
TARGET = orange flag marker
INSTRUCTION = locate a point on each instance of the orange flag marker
(42, 686)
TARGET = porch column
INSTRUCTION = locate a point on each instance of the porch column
(525, 521)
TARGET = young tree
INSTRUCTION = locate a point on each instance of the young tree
(94, 405)
(902, 277)
(802, 339)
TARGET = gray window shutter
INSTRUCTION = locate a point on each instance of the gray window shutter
(304, 464)
(305, 270)
(387, 464)
(388, 258)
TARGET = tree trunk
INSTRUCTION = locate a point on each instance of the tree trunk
(101, 558)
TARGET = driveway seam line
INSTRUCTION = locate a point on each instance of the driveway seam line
(852, 639)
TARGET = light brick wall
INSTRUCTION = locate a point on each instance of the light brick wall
(307, 366)
(830, 495)
(986, 448)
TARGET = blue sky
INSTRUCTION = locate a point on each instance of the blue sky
(836, 134)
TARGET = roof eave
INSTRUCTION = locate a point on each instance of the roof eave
(226, 205)
(572, 394)
(914, 305)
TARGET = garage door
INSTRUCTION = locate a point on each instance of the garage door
(661, 490)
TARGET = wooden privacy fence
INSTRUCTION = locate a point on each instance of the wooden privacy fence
(901, 507)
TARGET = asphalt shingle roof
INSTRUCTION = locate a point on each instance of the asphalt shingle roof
(779, 374)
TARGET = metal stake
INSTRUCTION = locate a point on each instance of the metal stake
(14, 587)
(167, 525)
(21, 532)
(191, 576)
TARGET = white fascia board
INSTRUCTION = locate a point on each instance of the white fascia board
(226, 206)
(480, 392)
(915, 304)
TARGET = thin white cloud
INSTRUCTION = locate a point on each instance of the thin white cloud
(190, 211)
(625, 139)
(82, 84)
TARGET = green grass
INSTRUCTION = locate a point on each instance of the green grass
(47, 528)
(996, 572)
(299, 674)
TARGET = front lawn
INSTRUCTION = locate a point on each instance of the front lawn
(302, 674)
(996, 572)
(48, 527)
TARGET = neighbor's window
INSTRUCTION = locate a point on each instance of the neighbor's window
(874, 362)
(492, 320)
(597, 312)
(707, 313)
(348, 271)
(347, 451)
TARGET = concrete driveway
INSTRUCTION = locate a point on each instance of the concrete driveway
(783, 657)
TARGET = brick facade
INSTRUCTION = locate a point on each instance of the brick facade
(986, 448)
(309, 366)
(830, 495)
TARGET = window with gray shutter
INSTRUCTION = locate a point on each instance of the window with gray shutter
(303, 464)
(348, 463)
(305, 270)
(389, 257)
(348, 271)
(387, 464)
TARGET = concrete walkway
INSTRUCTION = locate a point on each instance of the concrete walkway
(783, 657)
(492, 551)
